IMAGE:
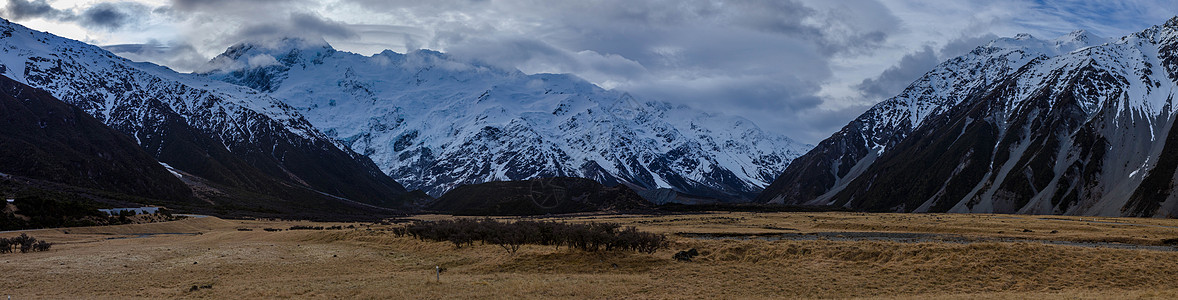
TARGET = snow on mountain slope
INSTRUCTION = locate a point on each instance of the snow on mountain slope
(226, 133)
(1082, 132)
(434, 123)
(826, 169)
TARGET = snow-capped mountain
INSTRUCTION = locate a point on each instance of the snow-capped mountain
(433, 122)
(1076, 125)
(229, 135)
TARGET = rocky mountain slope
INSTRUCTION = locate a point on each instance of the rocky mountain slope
(433, 123)
(231, 137)
(46, 139)
(1075, 125)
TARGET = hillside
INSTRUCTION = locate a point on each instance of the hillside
(538, 197)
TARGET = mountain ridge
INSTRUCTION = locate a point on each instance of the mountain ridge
(434, 122)
(46, 139)
(1059, 132)
(229, 135)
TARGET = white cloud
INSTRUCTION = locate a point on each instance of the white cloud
(262, 60)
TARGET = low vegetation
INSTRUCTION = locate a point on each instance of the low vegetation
(32, 210)
(589, 237)
(306, 227)
(24, 244)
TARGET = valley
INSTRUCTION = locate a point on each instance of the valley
(1006, 257)
(599, 150)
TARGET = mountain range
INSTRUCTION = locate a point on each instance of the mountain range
(271, 128)
(433, 122)
(245, 152)
(1076, 125)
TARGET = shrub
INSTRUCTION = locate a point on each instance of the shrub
(25, 242)
(42, 246)
(590, 237)
(305, 227)
(686, 255)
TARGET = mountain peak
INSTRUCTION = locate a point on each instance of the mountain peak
(1077, 35)
(1076, 40)
(285, 44)
(287, 51)
(1066, 43)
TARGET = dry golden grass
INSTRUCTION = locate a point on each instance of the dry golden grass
(102, 262)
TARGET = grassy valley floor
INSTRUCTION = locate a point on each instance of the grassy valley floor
(742, 255)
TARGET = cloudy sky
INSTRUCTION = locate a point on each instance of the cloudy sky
(803, 68)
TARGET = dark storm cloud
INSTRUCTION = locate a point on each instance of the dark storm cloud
(194, 5)
(108, 16)
(961, 46)
(304, 22)
(256, 21)
(18, 10)
(899, 76)
(913, 65)
(113, 16)
(299, 25)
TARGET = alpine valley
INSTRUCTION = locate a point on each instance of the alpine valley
(1075, 125)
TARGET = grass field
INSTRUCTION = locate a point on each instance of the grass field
(980, 256)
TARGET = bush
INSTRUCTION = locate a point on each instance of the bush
(42, 246)
(25, 242)
(686, 255)
(305, 227)
(6, 245)
(590, 237)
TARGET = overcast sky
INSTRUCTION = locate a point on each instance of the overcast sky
(803, 68)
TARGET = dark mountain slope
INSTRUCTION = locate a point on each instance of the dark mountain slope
(44, 138)
(1083, 132)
